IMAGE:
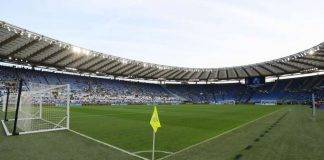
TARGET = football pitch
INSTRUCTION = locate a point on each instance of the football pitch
(187, 132)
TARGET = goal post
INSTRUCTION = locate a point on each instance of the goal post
(229, 102)
(37, 108)
(268, 102)
(2, 99)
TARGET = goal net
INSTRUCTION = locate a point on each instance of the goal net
(231, 102)
(36, 108)
(2, 101)
(268, 102)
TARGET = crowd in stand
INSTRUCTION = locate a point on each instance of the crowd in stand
(91, 90)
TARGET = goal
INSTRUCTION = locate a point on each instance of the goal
(231, 102)
(36, 108)
(1, 100)
(268, 102)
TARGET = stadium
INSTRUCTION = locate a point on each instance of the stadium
(63, 101)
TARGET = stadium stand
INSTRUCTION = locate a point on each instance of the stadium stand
(93, 90)
(21, 47)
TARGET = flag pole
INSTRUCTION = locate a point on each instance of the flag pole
(153, 150)
(313, 105)
(155, 123)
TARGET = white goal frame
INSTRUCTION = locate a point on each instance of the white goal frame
(268, 102)
(42, 108)
(228, 102)
(2, 102)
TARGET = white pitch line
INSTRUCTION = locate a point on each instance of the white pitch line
(209, 139)
(5, 128)
(151, 151)
(109, 145)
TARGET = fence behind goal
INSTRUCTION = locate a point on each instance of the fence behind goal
(36, 108)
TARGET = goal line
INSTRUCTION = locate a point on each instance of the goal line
(109, 145)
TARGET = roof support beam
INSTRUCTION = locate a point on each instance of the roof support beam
(29, 44)
(106, 65)
(156, 70)
(235, 71)
(10, 39)
(187, 75)
(217, 75)
(97, 63)
(115, 68)
(310, 64)
(209, 72)
(143, 70)
(132, 70)
(112, 67)
(201, 72)
(265, 68)
(159, 74)
(53, 54)
(86, 62)
(257, 71)
(292, 66)
(40, 51)
(320, 55)
(191, 73)
(246, 72)
(121, 70)
(184, 74)
(175, 74)
(313, 59)
(168, 73)
(62, 59)
(296, 63)
(77, 59)
(277, 67)
(226, 72)
(280, 67)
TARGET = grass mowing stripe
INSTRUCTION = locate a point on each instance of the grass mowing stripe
(209, 139)
(102, 115)
(106, 144)
(182, 126)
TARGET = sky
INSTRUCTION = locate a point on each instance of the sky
(184, 33)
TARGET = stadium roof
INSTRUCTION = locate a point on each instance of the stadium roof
(20, 46)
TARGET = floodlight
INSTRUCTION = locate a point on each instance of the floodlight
(311, 52)
(76, 49)
(85, 51)
(124, 61)
(79, 50)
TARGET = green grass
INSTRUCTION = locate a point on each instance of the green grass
(128, 126)
(295, 136)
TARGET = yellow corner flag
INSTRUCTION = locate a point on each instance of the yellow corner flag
(155, 122)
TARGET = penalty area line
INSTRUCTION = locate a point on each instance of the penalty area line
(219, 135)
(148, 151)
(109, 145)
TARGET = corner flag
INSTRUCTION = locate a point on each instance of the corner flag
(155, 122)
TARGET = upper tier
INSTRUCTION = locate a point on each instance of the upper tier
(20, 46)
